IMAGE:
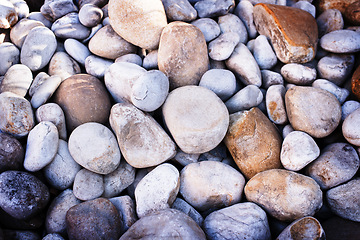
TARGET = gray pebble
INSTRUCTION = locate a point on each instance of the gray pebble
(106, 21)
(54, 9)
(275, 104)
(118, 180)
(88, 185)
(214, 8)
(90, 15)
(250, 45)
(151, 60)
(11, 82)
(37, 16)
(77, 50)
(93, 31)
(21, 29)
(330, 20)
(21, 8)
(287, 130)
(97, 66)
(39, 79)
(303, 228)
(244, 10)
(232, 23)
(10, 55)
(126, 207)
(348, 107)
(179, 10)
(53, 236)
(298, 74)
(208, 27)
(45, 91)
(340, 93)
(222, 47)
(263, 53)
(64, 66)
(11, 153)
(248, 97)
(306, 6)
(74, 30)
(130, 58)
(67, 20)
(53, 113)
(341, 41)
(351, 128)
(186, 208)
(186, 158)
(270, 78)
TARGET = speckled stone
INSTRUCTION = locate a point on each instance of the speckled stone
(303, 228)
(11, 153)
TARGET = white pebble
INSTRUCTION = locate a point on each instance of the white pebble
(340, 93)
(88, 185)
(248, 97)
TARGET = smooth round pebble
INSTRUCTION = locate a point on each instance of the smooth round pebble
(126, 207)
(271, 78)
(131, 58)
(97, 66)
(232, 23)
(54, 9)
(351, 128)
(11, 82)
(263, 53)
(210, 8)
(11, 153)
(275, 104)
(37, 16)
(298, 74)
(341, 41)
(340, 93)
(21, 30)
(39, 79)
(222, 47)
(303, 228)
(244, 10)
(330, 20)
(179, 10)
(208, 27)
(348, 107)
(45, 91)
(10, 55)
(151, 60)
(118, 180)
(77, 50)
(63, 65)
(53, 113)
(306, 6)
(90, 15)
(248, 97)
(88, 185)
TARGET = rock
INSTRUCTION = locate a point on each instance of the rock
(90, 15)
(11, 153)
(42, 145)
(324, 5)
(186, 208)
(142, 141)
(298, 74)
(244, 65)
(208, 27)
(118, 180)
(107, 43)
(306, 6)
(20, 31)
(213, 8)
(270, 78)
(11, 82)
(126, 208)
(83, 98)
(308, 110)
(93, 31)
(151, 60)
(337, 227)
(340, 93)
(222, 47)
(8, 15)
(53, 236)
(100, 3)
(355, 83)
(186, 158)
(69, 26)
(88, 185)
(237, 221)
(330, 20)
(348, 107)
(10, 56)
(77, 50)
(248, 97)
(61, 172)
(191, 131)
(16, 115)
(232, 23)
(293, 32)
(97, 66)
(39, 79)
(179, 10)
(298, 150)
(56, 215)
(64, 66)
(263, 53)
(218, 185)
(131, 58)
(37, 16)
(344, 200)
(244, 10)
(350, 128)
(188, 60)
(253, 142)
(303, 228)
(54, 9)
(352, 13)
(95, 219)
(45, 91)
(22, 195)
(341, 41)
(53, 113)
(138, 22)
(298, 196)
(275, 104)
(21, 234)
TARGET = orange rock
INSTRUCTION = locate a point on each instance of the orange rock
(355, 83)
(352, 13)
(340, 5)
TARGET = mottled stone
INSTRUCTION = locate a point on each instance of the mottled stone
(64, 66)
(352, 13)
(179, 10)
(303, 228)
(12, 82)
(340, 5)
(275, 104)
(53, 113)
(341, 41)
(298, 74)
(88, 185)
(348, 107)
(45, 91)
(8, 15)
(270, 78)
(53, 236)
(244, 10)
(355, 83)
(118, 180)
(248, 97)
(214, 8)
(20, 31)
(340, 93)
(54, 9)
(186, 208)
(11, 153)
(126, 207)
(222, 47)
(90, 15)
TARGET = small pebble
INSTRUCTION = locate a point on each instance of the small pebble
(271, 78)
(306, 6)
(90, 15)
(330, 20)
(179, 10)
(348, 107)
(118, 180)
(248, 97)
(126, 207)
(53, 236)
(45, 91)
(213, 8)
(351, 128)
(97, 66)
(208, 27)
(130, 58)
(303, 228)
(186, 158)
(39, 79)
(263, 53)
(341, 41)
(54, 9)
(186, 208)
(64, 66)
(53, 113)
(77, 50)
(298, 74)
(10, 55)
(340, 93)
(11, 153)
(222, 47)
(244, 10)
(151, 60)
(11, 82)
(275, 104)
(88, 185)
(232, 23)
(287, 130)
(37, 16)
(20, 31)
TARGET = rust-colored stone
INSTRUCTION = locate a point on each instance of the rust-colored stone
(352, 13)
(340, 5)
(355, 83)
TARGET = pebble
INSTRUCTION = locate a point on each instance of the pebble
(8, 15)
(93, 31)
(221, 81)
(42, 145)
(77, 50)
(306, 6)
(69, 26)
(165, 223)
(189, 52)
(336, 4)
(61, 172)
(45, 91)
(97, 219)
(55, 221)
(64, 66)
(21, 8)
(142, 141)
(248, 97)
(350, 128)
(237, 221)
(213, 8)
(344, 200)
(330, 20)
(118, 180)
(39, 79)
(263, 53)
(293, 42)
(298, 150)
(308, 110)
(191, 131)
(348, 107)
(90, 15)
(352, 13)
(126, 208)
(340, 93)
(208, 27)
(337, 164)
(16, 115)
(218, 185)
(97, 66)
(244, 66)
(242, 139)
(88, 185)
(244, 10)
(54, 9)
(53, 113)
(53, 236)
(185, 158)
(222, 47)
(131, 58)
(303, 228)
(37, 16)
(11, 82)
(275, 104)
(21, 29)
(298, 74)
(11, 153)
(232, 23)
(355, 83)
(14, 185)
(157, 190)
(94, 146)
(179, 10)
(139, 22)
(298, 197)
(341, 41)
(151, 60)
(270, 78)
(186, 208)
(336, 67)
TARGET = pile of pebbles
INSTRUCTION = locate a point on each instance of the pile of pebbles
(210, 119)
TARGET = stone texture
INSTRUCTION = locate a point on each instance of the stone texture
(214, 8)
(90, 15)
(248, 97)
(275, 104)
(341, 41)
(62, 65)
(20, 31)
(232, 23)
(244, 10)
(351, 128)
(298, 74)
(10, 56)
(44, 92)
(77, 50)
(208, 27)
(330, 20)
(340, 5)
(186, 208)
(126, 207)
(340, 93)
(348, 107)
(53, 113)
(88, 185)
(54, 9)
(11, 153)
(179, 10)
(253, 142)
(8, 15)
(118, 180)
(222, 47)
(263, 53)
(97, 66)
(352, 13)
(303, 228)
(11, 82)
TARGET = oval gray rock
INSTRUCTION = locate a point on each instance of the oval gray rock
(88, 185)
(341, 41)
(10, 55)
(53, 113)
(20, 31)
(118, 180)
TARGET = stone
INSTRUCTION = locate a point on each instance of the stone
(303, 228)
(275, 104)
(244, 10)
(263, 53)
(69, 26)
(284, 194)
(341, 41)
(238, 221)
(88, 185)
(45, 91)
(54, 9)
(142, 141)
(16, 115)
(208, 27)
(348, 107)
(39, 79)
(330, 20)
(151, 60)
(270, 78)
(83, 98)
(10, 56)
(53, 236)
(244, 66)
(64, 66)
(21, 29)
(118, 180)
(185, 158)
(306, 6)
(350, 128)
(308, 110)
(186, 208)
(8, 15)
(298, 74)
(21, 8)
(352, 13)
(253, 142)
(131, 58)
(53, 113)
(336, 67)
(22, 195)
(248, 97)
(97, 66)
(191, 131)
(298, 150)
(93, 31)
(355, 83)
(292, 31)
(42, 145)
(182, 55)
(90, 15)
(77, 50)
(218, 185)
(11, 153)
(340, 93)
(100, 3)
(12, 83)
(37, 16)
(55, 221)
(126, 207)
(61, 172)
(213, 8)
(107, 43)
(222, 47)
(138, 22)
(324, 5)
(95, 219)
(344, 200)
(157, 190)
(179, 10)
(21, 234)
(140, 174)
(221, 81)
(232, 23)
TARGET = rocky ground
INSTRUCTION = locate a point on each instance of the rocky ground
(179, 119)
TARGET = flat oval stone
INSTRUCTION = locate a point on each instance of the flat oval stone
(139, 22)
(14, 185)
(142, 140)
(235, 222)
(88, 185)
(244, 10)
(11, 153)
(118, 180)
(8, 15)
(76, 50)
(17, 79)
(308, 110)
(275, 104)
(298, 74)
(54, 9)
(303, 228)
(330, 20)
(182, 55)
(90, 15)
(218, 185)
(45, 91)
(208, 27)
(232, 23)
(53, 113)
(253, 142)
(97, 66)
(213, 8)
(10, 55)
(196, 125)
(263, 53)
(340, 93)
(248, 97)
(222, 47)
(64, 66)
(74, 30)
(93, 146)
(151, 60)
(179, 10)
(20, 31)
(298, 196)
(341, 41)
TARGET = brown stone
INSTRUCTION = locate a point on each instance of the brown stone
(293, 32)
(352, 13)
(253, 142)
(340, 5)
(355, 83)
(83, 98)
(303, 228)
